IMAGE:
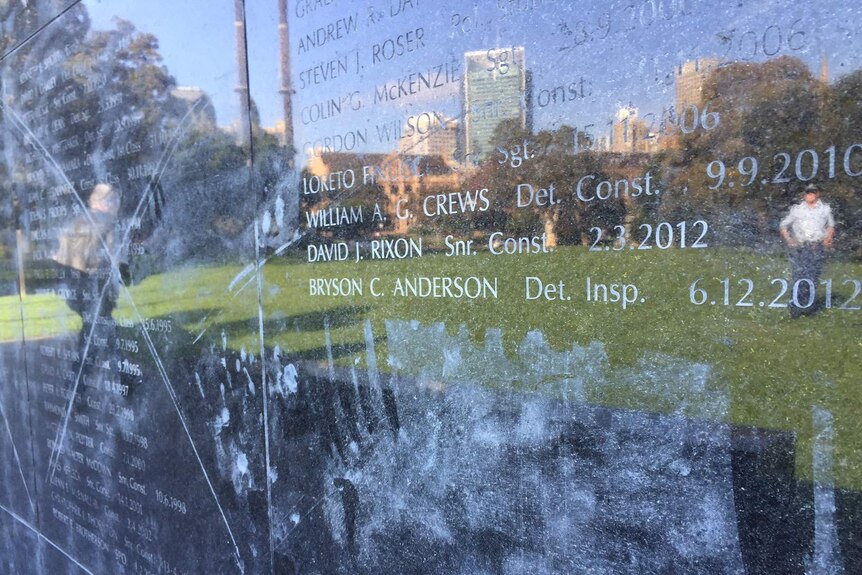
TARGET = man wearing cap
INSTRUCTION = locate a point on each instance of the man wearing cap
(808, 229)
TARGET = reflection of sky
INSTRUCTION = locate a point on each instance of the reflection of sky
(198, 44)
(196, 39)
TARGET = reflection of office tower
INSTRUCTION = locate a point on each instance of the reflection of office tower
(690, 79)
(495, 90)
(190, 94)
(196, 98)
(824, 68)
(630, 133)
(430, 135)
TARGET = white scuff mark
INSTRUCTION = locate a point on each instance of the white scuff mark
(330, 363)
(221, 456)
(393, 362)
(433, 441)
(265, 414)
(294, 518)
(242, 464)
(223, 340)
(279, 212)
(251, 386)
(238, 366)
(451, 360)
(247, 270)
(532, 423)
(266, 223)
(276, 387)
(221, 421)
(273, 474)
(333, 511)
(680, 467)
(243, 354)
(200, 387)
(296, 237)
(462, 449)
(240, 276)
(240, 474)
(827, 556)
(276, 353)
(289, 374)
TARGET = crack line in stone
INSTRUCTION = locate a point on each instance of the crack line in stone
(39, 534)
(15, 452)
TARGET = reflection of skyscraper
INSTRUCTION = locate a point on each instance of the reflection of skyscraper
(690, 78)
(435, 137)
(824, 68)
(495, 90)
(630, 133)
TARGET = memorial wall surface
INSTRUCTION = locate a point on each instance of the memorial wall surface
(394, 286)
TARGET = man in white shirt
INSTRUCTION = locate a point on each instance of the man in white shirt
(808, 229)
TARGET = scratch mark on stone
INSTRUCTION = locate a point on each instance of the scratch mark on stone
(200, 387)
(826, 558)
(41, 536)
(329, 361)
(15, 452)
(251, 386)
(245, 273)
(161, 368)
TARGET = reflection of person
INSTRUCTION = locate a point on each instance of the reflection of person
(82, 256)
(808, 229)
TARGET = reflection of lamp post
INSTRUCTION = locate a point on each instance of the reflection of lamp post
(286, 90)
(242, 70)
(19, 244)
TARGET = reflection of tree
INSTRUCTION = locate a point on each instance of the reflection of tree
(115, 114)
(843, 126)
(766, 109)
(92, 105)
(364, 195)
(554, 164)
(17, 21)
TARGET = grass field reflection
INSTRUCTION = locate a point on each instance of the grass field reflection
(774, 368)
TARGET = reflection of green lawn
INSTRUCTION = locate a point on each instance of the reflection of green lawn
(776, 368)
(47, 316)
